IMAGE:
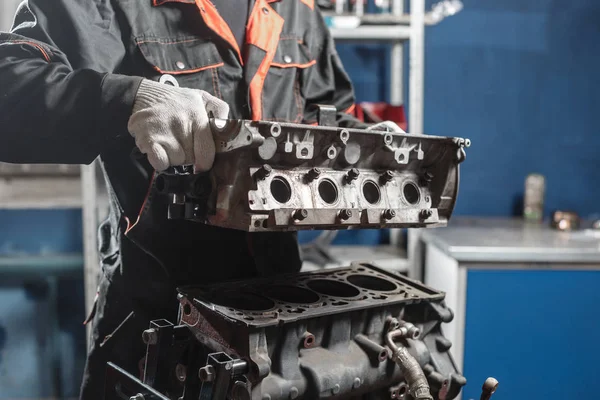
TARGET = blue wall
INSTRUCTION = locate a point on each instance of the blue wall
(520, 78)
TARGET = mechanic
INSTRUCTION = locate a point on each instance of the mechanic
(121, 79)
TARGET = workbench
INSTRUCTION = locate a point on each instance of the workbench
(525, 299)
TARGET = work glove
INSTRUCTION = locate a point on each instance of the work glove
(170, 125)
(387, 126)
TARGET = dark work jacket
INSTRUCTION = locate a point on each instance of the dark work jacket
(69, 72)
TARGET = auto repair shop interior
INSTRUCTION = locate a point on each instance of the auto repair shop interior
(503, 264)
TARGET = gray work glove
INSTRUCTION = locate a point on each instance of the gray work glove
(170, 125)
(387, 126)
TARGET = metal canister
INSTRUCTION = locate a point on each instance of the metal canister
(533, 202)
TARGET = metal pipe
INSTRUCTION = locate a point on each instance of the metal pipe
(412, 371)
(376, 352)
(416, 61)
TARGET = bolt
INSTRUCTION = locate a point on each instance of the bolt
(150, 336)
(313, 174)
(356, 383)
(138, 396)
(300, 215)
(489, 388)
(263, 172)
(389, 214)
(181, 372)
(345, 214)
(425, 214)
(207, 373)
(393, 323)
(386, 177)
(352, 175)
(228, 366)
(336, 389)
(266, 397)
(293, 392)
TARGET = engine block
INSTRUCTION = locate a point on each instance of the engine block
(327, 335)
(271, 176)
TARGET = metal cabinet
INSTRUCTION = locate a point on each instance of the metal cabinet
(525, 300)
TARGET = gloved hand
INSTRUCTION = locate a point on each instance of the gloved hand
(387, 126)
(170, 125)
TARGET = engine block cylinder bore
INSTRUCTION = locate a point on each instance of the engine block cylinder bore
(371, 192)
(411, 193)
(333, 288)
(372, 283)
(242, 301)
(291, 294)
(328, 191)
(281, 189)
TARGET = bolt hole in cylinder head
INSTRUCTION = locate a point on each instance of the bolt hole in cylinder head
(344, 135)
(281, 189)
(388, 139)
(275, 130)
(187, 309)
(328, 191)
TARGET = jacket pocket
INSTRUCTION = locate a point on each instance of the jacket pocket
(192, 61)
(283, 99)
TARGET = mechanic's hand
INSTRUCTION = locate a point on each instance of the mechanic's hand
(387, 126)
(170, 125)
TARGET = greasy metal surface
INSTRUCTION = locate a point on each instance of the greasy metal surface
(272, 176)
(512, 240)
(290, 298)
(323, 334)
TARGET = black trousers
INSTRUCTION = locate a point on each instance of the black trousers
(133, 291)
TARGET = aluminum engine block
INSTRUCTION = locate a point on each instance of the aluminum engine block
(271, 176)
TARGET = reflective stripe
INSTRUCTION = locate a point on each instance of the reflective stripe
(264, 28)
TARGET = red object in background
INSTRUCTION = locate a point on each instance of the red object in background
(378, 112)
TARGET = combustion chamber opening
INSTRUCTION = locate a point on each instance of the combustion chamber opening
(242, 301)
(292, 294)
(281, 190)
(333, 288)
(411, 193)
(328, 191)
(371, 192)
(372, 283)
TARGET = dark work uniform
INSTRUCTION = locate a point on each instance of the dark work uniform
(69, 72)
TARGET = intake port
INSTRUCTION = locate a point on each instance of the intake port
(281, 189)
(371, 192)
(328, 191)
(372, 283)
(411, 192)
(333, 288)
(242, 301)
(292, 294)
